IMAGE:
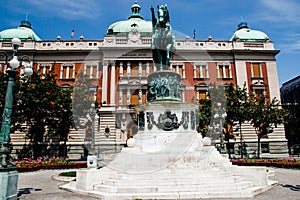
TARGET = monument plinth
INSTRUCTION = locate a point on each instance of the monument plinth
(167, 159)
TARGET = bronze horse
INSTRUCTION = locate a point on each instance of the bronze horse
(163, 41)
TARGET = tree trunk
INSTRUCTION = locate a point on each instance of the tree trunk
(241, 141)
(258, 146)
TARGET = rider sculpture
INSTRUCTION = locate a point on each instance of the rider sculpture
(163, 41)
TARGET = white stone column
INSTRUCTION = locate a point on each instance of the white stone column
(91, 71)
(61, 72)
(121, 69)
(113, 84)
(104, 82)
(183, 70)
(97, 71)
(224, 72)
(206, 70)
(140, 69)
(241, 73)
(128, 69)
(44, 70)
(68, 72)
(140, 96)
(273, 80)
(183, 96)
(84, 69)
(128, 96)
(73, 72)
(197, 97)
(121, 98)
(177, 68)
(147, 68)
(201, 71)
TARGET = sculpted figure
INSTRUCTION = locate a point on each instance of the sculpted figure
(163, 41)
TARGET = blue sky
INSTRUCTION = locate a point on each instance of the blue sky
(219, 18)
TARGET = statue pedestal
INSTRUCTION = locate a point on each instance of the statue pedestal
(169, 161)
(201, 172)
(8, 184)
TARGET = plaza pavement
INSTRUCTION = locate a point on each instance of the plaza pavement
(43, 185)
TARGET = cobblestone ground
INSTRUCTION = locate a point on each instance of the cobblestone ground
(40, 185)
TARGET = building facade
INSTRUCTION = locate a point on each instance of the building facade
(290, 98)
(119, 65)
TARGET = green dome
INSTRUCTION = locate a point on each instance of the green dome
(245, 34)
(23, 32)
(135, 22)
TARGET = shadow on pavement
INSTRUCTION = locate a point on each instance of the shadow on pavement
(22, 191)
(295, 188)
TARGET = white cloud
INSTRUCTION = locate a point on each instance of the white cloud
(68, 9)
(280, 11)
(290, 47)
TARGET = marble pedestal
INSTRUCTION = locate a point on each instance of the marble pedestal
(199, 172)
(8, 184)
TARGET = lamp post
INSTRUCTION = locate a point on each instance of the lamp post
(221, 114)
(8, 173)
(92, 159)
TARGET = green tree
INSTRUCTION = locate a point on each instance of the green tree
(204, 116)
(45, 108)
(83, 97)
(265, 116)
(238, 111)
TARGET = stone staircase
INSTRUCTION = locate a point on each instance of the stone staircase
(199, 174)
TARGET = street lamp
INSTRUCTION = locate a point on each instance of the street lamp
(92, 158)
(221, 114)
(8, 173)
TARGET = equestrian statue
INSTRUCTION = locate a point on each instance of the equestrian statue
(163, 41)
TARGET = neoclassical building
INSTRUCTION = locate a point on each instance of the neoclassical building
(119, 65)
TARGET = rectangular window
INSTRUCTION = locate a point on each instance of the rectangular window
(67, 72)
(178, 69)
(124, 99)
(44, 69)
(124, 70)
(202, 94)
(134, 98)
(201, 71)
(256, 70)
(224, 71)
(134, 70)
(221, 75)
(91, 71)
(144, 97)
(227, 71)
(197, 72)
(144, 73)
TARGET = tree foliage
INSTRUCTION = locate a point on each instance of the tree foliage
(204, 116)
(42, 110)
(82, 97)
(240, 108)
(265, 116)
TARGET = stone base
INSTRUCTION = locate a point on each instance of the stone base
(8, 185)
(201, 172)
(92, 161)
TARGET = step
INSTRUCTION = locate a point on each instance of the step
(171, 181)
(174, 175)
(238, 186)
